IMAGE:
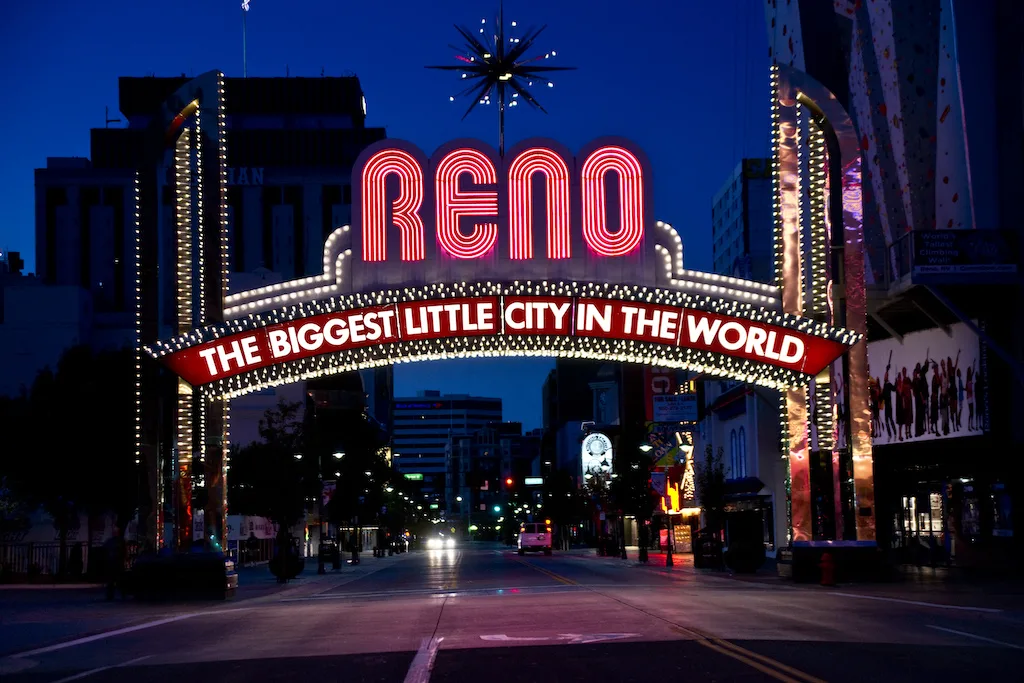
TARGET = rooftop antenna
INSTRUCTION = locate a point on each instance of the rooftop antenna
(108, 121)
(245, 11)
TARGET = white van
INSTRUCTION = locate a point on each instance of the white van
(534, 536)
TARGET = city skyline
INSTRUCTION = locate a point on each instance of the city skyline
(664, 127)
(613, 92)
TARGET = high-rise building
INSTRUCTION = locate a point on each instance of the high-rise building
(742, 419)
(291, 143)
(742, 221)
(423, 425)
(480, 466)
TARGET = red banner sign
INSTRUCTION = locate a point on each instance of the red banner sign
(234, 354)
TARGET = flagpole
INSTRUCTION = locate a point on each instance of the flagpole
(244, 12)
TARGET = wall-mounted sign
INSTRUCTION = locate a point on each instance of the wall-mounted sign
(534, 481)
(956, 255)
(245, 175)
(596, 452)
(675, 408)
(657, 381)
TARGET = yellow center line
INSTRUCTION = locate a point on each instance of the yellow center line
(547, 572)
(749, 657)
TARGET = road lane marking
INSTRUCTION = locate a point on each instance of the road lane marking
(461, 592)
(976, 637)
(772, 667)
(105, 634)
(990, 610)
(90, 672)
(547, 572)
(570, 638)
(749, 662)
(423, 662)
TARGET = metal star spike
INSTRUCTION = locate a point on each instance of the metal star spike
(500, 63)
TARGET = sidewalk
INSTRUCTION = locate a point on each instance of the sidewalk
(256, 582)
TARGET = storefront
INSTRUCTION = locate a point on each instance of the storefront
(944, 503)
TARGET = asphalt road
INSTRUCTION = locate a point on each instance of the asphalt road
(487, 614)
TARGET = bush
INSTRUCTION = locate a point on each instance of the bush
(745, 557)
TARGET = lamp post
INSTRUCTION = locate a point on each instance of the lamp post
(668, 540)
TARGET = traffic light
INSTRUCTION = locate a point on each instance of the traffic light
(509, 481)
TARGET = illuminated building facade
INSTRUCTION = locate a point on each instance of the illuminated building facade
(939, 136)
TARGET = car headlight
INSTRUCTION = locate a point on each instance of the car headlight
(450, 543)
(434, 543)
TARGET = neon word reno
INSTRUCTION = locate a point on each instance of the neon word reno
(542, 317)
(529, 205)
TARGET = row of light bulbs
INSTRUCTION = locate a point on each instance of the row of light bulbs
(631, 293)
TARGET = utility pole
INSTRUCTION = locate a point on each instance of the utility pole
(245, 11)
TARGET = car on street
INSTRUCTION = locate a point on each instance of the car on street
(535, 537)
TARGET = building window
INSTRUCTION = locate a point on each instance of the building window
(741, 448)
(733, 455)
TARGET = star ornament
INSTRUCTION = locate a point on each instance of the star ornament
(498, 63)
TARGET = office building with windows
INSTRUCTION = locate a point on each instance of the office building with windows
(740, 420)
(291, 144)
(742, 222)
(423, 426)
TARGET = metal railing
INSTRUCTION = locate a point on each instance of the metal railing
(21, 562)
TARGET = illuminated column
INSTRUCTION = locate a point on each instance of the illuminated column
(186, 239)
(216, 411)
(837, 282)
(819, 308)
(147, 375)
(789, 278)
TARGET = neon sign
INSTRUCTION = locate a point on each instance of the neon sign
(465, 254)
(464, 209)
(675, 328)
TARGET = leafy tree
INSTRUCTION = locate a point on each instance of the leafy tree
(631, 489)
(273, 478)
(710, 480)
(562, 501)
(364, 471)
(73, 439)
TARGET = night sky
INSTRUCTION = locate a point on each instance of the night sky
(688, 81)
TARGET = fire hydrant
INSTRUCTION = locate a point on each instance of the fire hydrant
(828, 570)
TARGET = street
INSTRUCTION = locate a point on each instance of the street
(484, 613)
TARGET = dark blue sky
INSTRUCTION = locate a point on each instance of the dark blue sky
(688, 81)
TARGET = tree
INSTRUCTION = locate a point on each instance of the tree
(710, 479)
(273, 477)
(631, 489)
(561, 502)
(360, 493)
(73, 439)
